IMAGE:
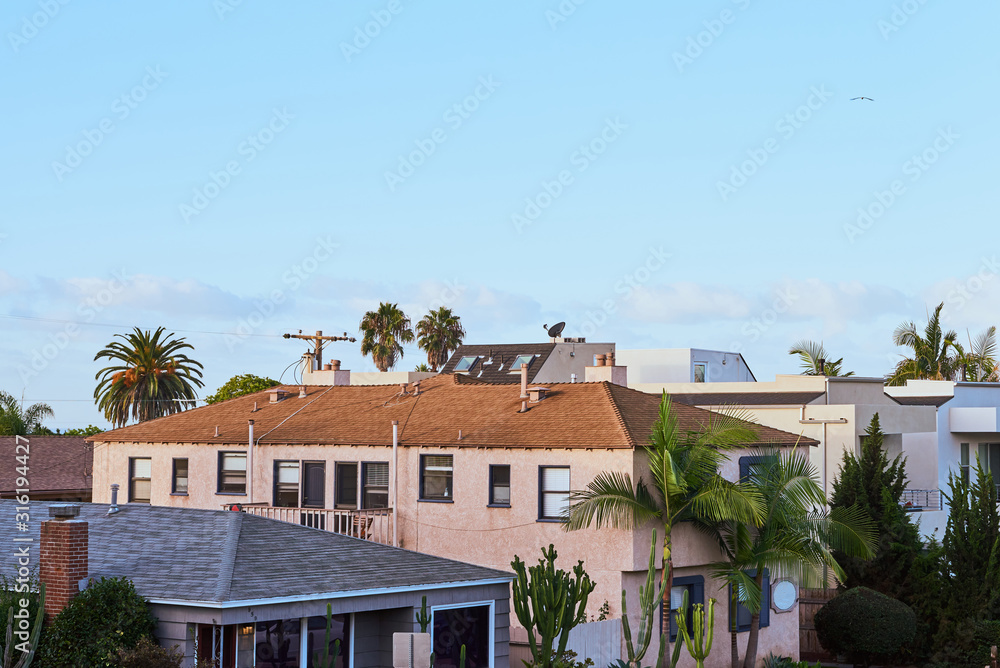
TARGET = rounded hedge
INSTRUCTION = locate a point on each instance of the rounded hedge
(863, 624)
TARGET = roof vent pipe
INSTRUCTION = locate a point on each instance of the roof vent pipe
(524, 406)
(599, 360)
(610, 359)
(524, 381)
(114, 500)
(217, 431)
(335, 365)
(327, 367)
(416, 388)
(302, 392)
(572, 378)
(822, 366)
(402, 388)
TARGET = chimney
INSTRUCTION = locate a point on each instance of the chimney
(524, 381)
(604, 370)
(327, 367)
(599, 360)
(277, 395)
(537, 394)
(334, 365)
(63, 556)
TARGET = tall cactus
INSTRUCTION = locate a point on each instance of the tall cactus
(24, 661)
(423, 617)
(699, 643)
(551, 602)
(325, 660)
(649, 598)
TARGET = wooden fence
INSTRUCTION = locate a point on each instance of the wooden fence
(811, 600)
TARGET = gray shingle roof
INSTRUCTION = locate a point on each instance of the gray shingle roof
(500, 358)
(218, 556)
(746, 398)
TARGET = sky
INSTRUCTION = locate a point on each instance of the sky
(657, 175)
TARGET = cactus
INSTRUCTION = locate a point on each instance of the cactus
(649, 598)
(551, 602)
(423, 618)
(461, 657)
(324, 660)
(26, 656)
(698, 643)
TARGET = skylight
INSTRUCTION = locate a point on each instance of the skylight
(465, 363)
(519, 360)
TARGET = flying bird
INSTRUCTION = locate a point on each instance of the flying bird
(862, 98)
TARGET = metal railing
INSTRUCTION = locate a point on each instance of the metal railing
(373, 524)
(915, 500)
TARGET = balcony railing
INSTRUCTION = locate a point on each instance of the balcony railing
(915, 500)
(372, 524)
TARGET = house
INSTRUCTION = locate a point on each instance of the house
(685, 365)
(249, 591)
(59, 467)
(452, 466)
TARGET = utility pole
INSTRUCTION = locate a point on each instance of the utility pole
(318, 340)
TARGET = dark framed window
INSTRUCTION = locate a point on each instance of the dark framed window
(700, 372)
(752, 462)
(345, 493)
(313, 484)
(140, 473)
(286, 484)
(553, 493)
(500, 485)
(694, 585)
(179, 484)
(436, 477)
(375, 485)
(964, 461)
(742, 616)
(232, 473)
(453, 627)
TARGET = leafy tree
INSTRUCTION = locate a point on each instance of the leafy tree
(810, 353)
(384, 331)
(15, 420)
(239, 385)
(684, 484)
(439, 333)
(107, 616)
(89, 430)
(935, 355)
(422, 368)
(795, 536)
(980, 361)
(153, 378)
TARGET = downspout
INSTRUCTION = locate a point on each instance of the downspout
(395, 483)
(250, 468)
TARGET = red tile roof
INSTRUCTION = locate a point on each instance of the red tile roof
(573, 415)
(55, 463)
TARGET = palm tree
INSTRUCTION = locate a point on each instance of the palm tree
(440, 333)
(153, 378)
(980, 362)
(932, 357)
(795, 537)
(385, 331)
(810, 353)
(15, 420)
(684, 484)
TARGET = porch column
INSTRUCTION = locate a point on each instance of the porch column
(304, 642)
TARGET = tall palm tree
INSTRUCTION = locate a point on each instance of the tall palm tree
(981, 359)
(683, 484)
(795, 537)
(385, 331)
(810, 353)
(15, 420)
(935, 354)
(440, 332)
(153, 378)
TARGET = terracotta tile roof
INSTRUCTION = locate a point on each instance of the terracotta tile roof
(500, 358)
(573, 415)
(55, 463)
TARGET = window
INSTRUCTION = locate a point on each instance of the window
(553, 492)
(140, 471)
(742, 617)
(753, 462)
(376, 485)
(515, 367)
(500, 485)
(314, 485)
(694, 585)
(232, 473)
(286, 484)
(435, 477)
(279, 642)
(465, 363)
(346, 493)
(700, 372)
(180, 478)
(469, 625)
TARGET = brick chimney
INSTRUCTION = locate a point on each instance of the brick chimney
(63, 556)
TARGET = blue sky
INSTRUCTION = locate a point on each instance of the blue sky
(655, 174)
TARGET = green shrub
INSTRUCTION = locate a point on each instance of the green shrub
(147, 654)
(864, 625)
(106, 617)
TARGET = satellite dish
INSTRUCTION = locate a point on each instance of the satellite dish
(556, 329)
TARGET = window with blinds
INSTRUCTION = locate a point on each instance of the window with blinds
(553, 492)
(500, 485)
(180, 480)
(375, 481)
(140, 479)
(286, 484)
(232, 473)
(436, 477)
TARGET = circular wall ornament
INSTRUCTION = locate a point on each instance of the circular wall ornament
(783, 595)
